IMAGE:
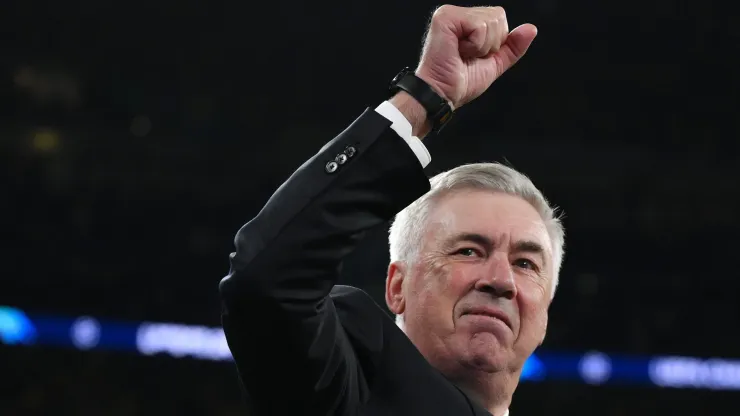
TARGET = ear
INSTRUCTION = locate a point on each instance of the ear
(394, 287)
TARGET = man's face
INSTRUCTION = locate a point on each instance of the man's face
(477, 294)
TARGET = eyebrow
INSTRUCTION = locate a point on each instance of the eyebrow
(479, 239)
(522, 246)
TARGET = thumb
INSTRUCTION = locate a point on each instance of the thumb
(516, 45)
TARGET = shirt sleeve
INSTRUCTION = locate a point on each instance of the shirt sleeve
(403, 128)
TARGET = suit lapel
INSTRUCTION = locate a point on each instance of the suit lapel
(475, 408)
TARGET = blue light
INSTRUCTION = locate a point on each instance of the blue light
(595, 368)
(209, 343)
(534, 369)
(16, 327)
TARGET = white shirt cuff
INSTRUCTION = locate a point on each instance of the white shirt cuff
(403, 128)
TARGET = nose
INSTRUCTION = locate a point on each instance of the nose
(498, 278)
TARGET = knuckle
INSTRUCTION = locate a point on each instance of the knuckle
(498, 13)
(490, 27)
(442, 11)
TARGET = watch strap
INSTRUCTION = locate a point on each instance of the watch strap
(439, 111)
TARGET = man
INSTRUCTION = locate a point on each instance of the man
(474, 261)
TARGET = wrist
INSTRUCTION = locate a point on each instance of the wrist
(428, 79)
(414, 113)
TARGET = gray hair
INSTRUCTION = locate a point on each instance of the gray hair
(409, 225)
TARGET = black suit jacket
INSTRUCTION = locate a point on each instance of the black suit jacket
(302, 345)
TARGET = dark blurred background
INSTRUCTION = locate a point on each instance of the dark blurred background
(137, 137)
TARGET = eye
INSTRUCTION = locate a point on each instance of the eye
(525, 264)
(468, 252)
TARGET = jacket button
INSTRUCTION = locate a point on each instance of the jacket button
(331, 167)
(350, 151)
(341, 158)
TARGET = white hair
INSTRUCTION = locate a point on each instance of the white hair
(408, 228)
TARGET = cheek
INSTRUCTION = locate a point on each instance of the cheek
(537, 319)
(436, 291)
(533, 312)
(460, 280)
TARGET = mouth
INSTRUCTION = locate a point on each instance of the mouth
(490, 312)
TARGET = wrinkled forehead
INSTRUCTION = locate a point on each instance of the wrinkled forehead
(493, 214)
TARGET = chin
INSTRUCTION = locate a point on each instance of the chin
(486, 353)
(489, 363)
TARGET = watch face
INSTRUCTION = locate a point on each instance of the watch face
(395, 80)
(398, 76)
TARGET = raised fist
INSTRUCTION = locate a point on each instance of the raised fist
(466, 49)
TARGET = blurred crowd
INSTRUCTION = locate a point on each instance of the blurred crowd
(62, 382)
(156, 252)
(135, 143)
(71, 383)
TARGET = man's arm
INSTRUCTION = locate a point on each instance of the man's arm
(292, 353)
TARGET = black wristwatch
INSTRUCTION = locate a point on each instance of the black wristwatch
(438, 109)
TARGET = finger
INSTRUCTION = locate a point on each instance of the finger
(493, 37)
(474, 40)
(516, 45)
(496, 28)
(502, 24)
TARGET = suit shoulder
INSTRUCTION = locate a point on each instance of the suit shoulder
(351, 294)
(360, 315)
(355, 300)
